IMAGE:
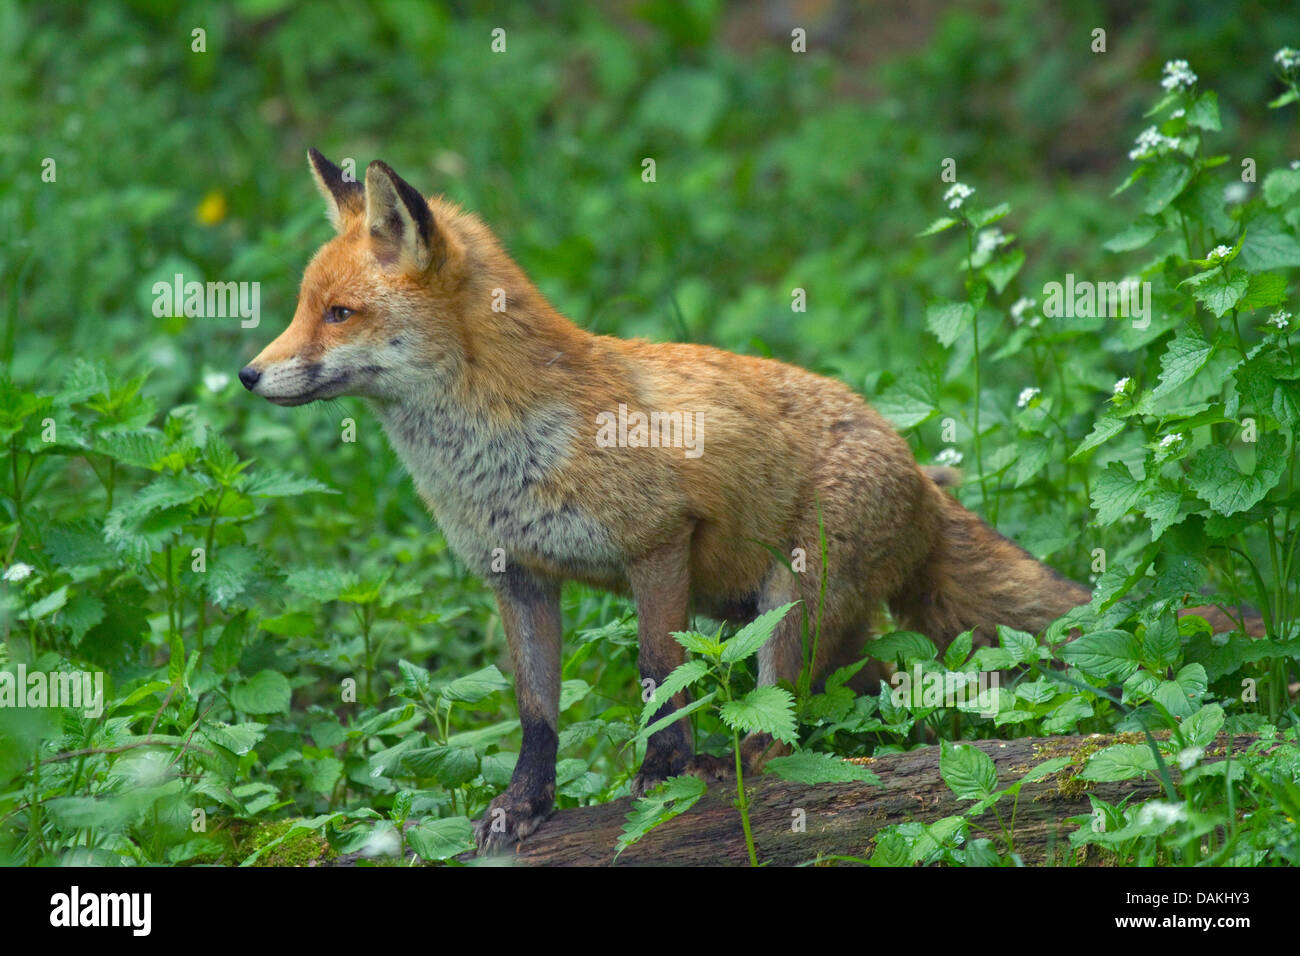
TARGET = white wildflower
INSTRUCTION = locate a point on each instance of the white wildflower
(1122, 384)
(1235, 193)
(1020, 307)
(1287, 60)
(1178, 113)
(1178, 75)
(1281, 318)
(989, 240)
(957, 193)
(1150, 141)
(1026, 396)
(1171, 439)
(18, 571)
(1218, 252)
(949, 457)
(1295, 164)
(1162, 812)
(1189, 757)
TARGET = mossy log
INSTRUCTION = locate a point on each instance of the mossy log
(840, 820)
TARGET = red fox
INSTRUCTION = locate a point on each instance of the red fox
(666, 471)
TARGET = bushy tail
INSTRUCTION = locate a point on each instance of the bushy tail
(973, 578)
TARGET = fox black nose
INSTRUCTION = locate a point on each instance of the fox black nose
(249, 376)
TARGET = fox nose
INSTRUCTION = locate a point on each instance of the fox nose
(249, 376)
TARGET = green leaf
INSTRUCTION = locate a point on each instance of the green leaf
(813, 768)
(958, 651)
(1111, 654)
(907, 402)
(968, 771)
(1266, 290)
(754, 634)
(671, 798)
(1134, 237)
(905, 646)
(766, 710)
(681, 677)
(1115, 492)
(1105, 428)
(1216, 478)
(1221, 292)
(1269, 246)
(450, 766)
(237, 738)
(474, 687)
(667, 721)
(266, 692)
(277, 484)
(1280, 185)
(1021, 646)
(1161, 508)
(1200, 729)
(1185, 355)
(1003, 269)
(442, 839)
(698, 643)
(573, 691)
(1290, 96)
(1204, 113)
(1120, 762)
(1167, 183)
(979, 218)
(939, 225)
(230, 569)
(947, 320)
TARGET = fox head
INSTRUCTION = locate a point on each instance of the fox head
(382, 306)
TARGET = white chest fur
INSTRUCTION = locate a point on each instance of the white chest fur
(487, 484)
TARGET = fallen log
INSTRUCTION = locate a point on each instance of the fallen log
(840, 820)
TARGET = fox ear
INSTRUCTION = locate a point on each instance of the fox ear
(344, 198)
(402, 230)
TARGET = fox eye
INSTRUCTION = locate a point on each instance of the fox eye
(337, 313)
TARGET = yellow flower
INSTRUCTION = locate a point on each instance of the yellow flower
(213, 208)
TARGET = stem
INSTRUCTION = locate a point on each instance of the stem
(207, 554)
(975, 328)
(742, 802)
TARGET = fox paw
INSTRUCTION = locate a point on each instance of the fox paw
(508, 820)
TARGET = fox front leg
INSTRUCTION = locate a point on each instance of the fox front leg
(530, 612)
(661, 586)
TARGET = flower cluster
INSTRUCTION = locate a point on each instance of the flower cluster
(1218, 252)
(957, 193)
(18, 571)
(1026, 396)
(1178, 75)
(948, 457)
(1122, 385)
(1150, 141)
(1288, 61)
(1281, 318)
(989, 240)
